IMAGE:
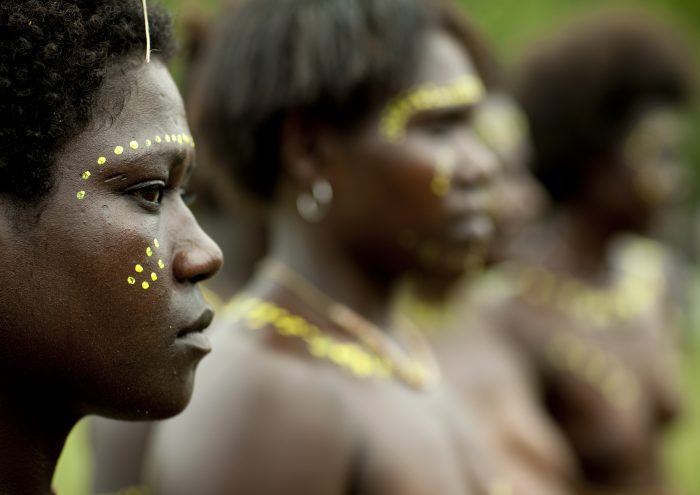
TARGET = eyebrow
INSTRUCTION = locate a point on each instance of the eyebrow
(462, 91)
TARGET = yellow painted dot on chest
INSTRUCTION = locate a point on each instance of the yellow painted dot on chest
(149, 251)
(86, 175)
(101, 160)
(138, 269)
(134, 145)
(119, 150)
(161, 265)
(80, 195)
(131, 280)
(145, 285)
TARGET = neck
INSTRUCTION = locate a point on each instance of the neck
(322, 262)
(584, 245)
(31, 438)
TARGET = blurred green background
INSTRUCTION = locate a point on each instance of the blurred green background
(510, 26)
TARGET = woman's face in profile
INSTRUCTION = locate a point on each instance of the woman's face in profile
(99, 298)
(412, 185)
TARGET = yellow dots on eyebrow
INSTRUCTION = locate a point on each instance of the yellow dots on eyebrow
(161, 265)
(131, 280)
(158, 139)
(156, 243)
(138, 268)
(118, 150)
(154, 277)
(149, 251)
(167, 138)
(86, 175)
(148, 143)
(134, 145)
(80, 195)
(101, 160)
(145, 285)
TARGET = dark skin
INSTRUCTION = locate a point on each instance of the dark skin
(269, 418)
(88, 341)
(617, 447)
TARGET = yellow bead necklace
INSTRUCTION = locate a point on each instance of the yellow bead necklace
(374, 354)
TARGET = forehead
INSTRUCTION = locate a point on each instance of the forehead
(442, 60)
(133, 105)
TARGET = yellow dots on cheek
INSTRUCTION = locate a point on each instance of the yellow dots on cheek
(158, 139)
(154, 277)
(148, 142)
(134, 145)
(149, 251)
(161, 265)
(138, 269)
(145, 285)
(131, 280)
(119, 150)
(86, 175)
(80, 195)
(156, 243)
(101, 160)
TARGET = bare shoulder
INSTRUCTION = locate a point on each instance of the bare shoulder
(255, 409)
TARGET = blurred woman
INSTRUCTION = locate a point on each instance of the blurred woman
(352, 121)
(592, 310)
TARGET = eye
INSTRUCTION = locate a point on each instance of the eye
(150, 193)
(445, 123)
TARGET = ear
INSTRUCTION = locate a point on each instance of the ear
(302, 154)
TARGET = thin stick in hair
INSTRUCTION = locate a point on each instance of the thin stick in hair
(148, 32)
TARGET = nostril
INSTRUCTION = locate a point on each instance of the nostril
(197, 264)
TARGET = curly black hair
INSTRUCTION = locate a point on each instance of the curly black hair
(332, 61)
(585, 88)
(54, 55)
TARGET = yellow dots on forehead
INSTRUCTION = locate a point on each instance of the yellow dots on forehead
(101, 160)
(465, 90)
(119, 150)
(149, 251)
(134, 145)
(138, 269)
(86, 175)
(161, 265)
(80, 195)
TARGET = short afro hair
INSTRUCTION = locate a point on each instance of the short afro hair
(584, 89)
(331, 61)
(54, 55)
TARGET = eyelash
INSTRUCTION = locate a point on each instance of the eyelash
(141, 192)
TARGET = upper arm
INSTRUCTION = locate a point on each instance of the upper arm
(272, 428)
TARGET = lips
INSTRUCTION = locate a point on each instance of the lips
(192, 335)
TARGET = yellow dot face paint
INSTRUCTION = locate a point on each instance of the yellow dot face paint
(167, 138)
(134, 145)
(156, 243)
(158, 139)
(145, 285)
(80, 195)
(154, 277)
(138, 268)
(148, 142)
(149, 251)
(86, 175)
(101, 160)
(465, 90)
(119, 150)
(161, 265)
(173, 137)
(131, 280)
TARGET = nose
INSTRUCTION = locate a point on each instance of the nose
(476, 163)
(198, 257)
